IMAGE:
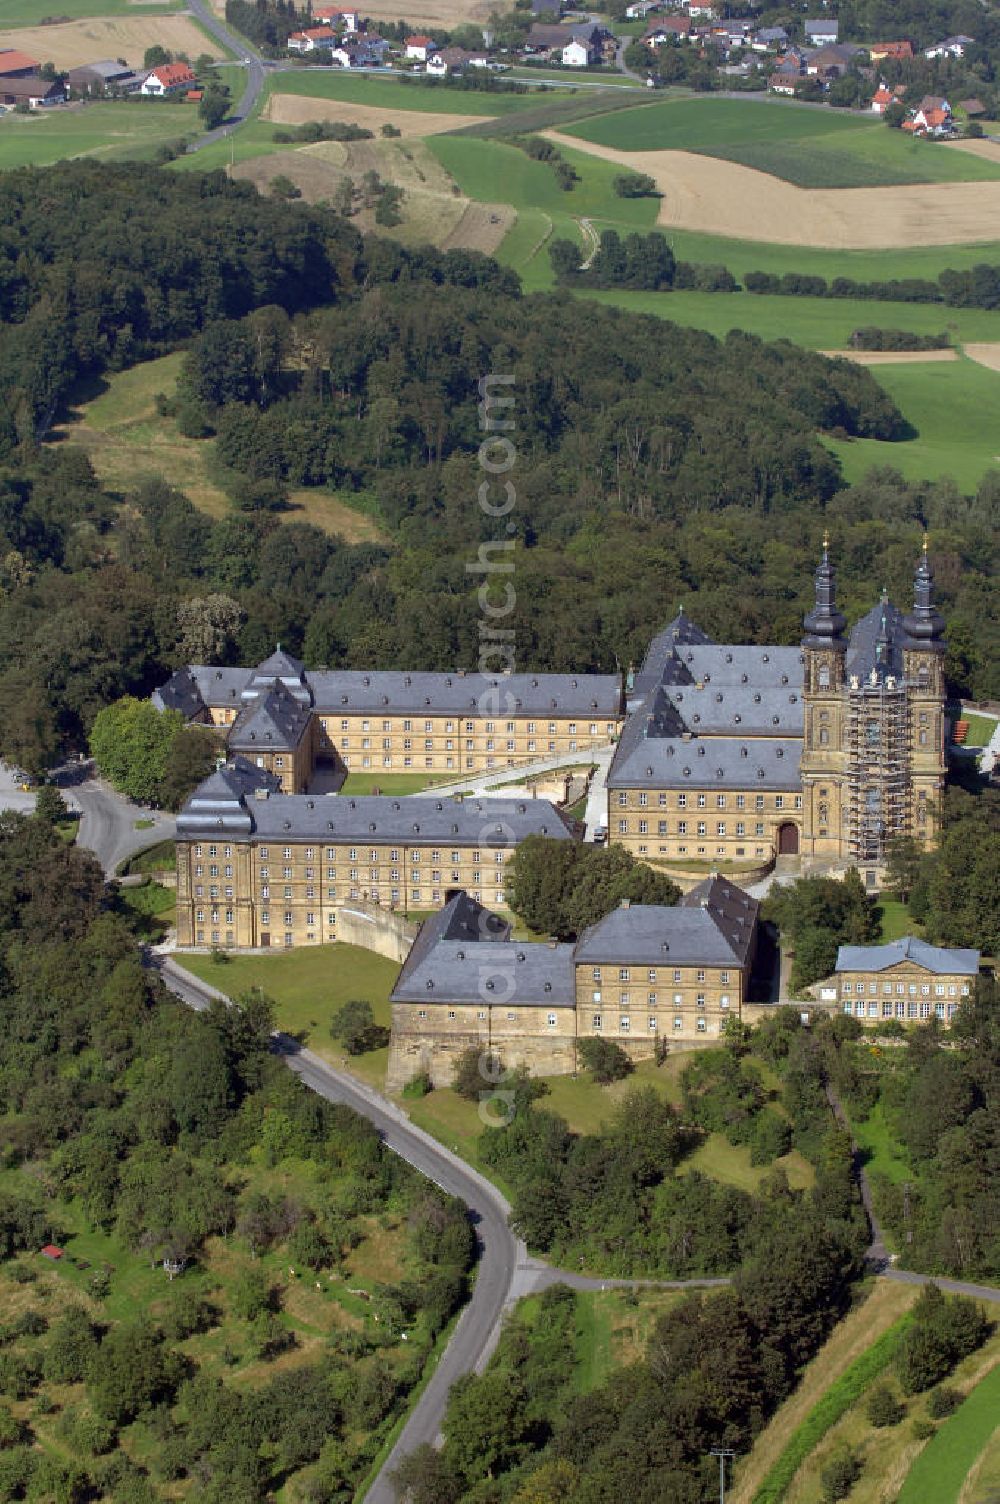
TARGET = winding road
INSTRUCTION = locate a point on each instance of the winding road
(257, 71)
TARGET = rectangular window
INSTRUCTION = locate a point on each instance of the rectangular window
(596, 1021)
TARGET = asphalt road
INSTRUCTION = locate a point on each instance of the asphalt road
(245, 54)
(503, 1272)
(108, 824)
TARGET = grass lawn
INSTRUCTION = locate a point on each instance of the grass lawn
(883, 1153)
(730, 1165)
(159, 858)
(849, 1340)
(307, 985)
(613, 1328)
(813, 148)
(392, 783)
(942, 1467)
(390, 92)
(896, 920)
(981, 729)
(109, 131)
(956, 411)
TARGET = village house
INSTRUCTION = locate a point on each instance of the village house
(701, 10)
(769, 39)
(586, 46)
(15, 64)
(932, 117)
(640, 9)
(897, 51)
(315, 39)
(31, 90)
(364, 50)
(332, 15)
(881, 99)
(951, 47)
(419, 48)
(832, 61)
(666, 29)
(450, 60)
(907, 979)
(169, 78)
(822, 33)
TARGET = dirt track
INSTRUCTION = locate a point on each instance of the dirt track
(294, 109)
(723, 198)
(985, 355)
(72, 43)
(891, 357)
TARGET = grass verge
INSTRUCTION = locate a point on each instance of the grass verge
(941, 1468)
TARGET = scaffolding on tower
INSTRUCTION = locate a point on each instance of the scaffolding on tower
(878, 765)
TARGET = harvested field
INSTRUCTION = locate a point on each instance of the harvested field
(723, 198)
(433, 209)
(989, 151)
(294, 109)
(78, 42)
(892, 357)
(984, 355)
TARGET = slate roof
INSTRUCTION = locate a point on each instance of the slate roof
(443, 967)
(219, 803)
(414, 821)
(829, 27)
(876, 642)
(394, 692)
(713, 925)
(273, 721)
(938, 959)
(647, 758)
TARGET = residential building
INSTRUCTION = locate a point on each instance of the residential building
(449, 60)
(643, 973)
(332, 15)
(956, 46)
(906, 979)
(640, 9)
(314, 39)
(881, 100)
(580, 54)
(169, 78)
(824, 751)
(257, 867)
(666, 29)
(821, 33)
(403, 722)
(897, 51)
(420, 48)
(769, 39)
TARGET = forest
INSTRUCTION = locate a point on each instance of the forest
(133, 1124)
(655, 465)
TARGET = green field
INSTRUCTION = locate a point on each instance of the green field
(390, 93)
(742, 256)
(896, 920)
(942, 1467)
(820, 323)
(811, 147)
(956, 411)
(110, 131)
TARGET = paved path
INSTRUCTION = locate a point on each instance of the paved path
(483, 783)
(108, 822)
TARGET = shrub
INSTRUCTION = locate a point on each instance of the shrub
(607, 1060)
(922, 1429)
(635, 185)
(942, 1401)
(418, 1086)
(883, 1408)
(840, 1474)
(476, 1071)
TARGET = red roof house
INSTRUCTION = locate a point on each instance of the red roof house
(169, 78)
(14, 64)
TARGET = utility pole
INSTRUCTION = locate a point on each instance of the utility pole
(722, 1453)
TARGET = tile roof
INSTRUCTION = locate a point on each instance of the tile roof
(938, 959)
(13, 61)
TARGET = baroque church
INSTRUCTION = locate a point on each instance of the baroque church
(824, 752)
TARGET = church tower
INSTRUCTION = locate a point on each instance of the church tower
(823, 753)
(923, 671)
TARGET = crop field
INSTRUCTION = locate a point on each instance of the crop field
(812, 148)
(941, 1468)
(26, 12)
(126, 35)
(111, 132)
(742, 256)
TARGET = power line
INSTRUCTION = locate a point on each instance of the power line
(722, 1453)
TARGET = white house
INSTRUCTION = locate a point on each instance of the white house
(420, 48)
(350, 20)
(950, 47)
(577, 55)
(701, 8)
(822, 33)
(315, 39)
(640, 9)
(170, 78)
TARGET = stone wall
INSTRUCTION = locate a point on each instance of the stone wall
(376, 929)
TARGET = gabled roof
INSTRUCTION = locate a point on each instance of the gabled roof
(828, 27)
(181, 693)
(420, 41)
(13, 61)
(938, 959)
(312, 34)
(876, 643)
(219, 803)
(170, 74)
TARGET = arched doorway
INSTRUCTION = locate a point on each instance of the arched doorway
(788, 839)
